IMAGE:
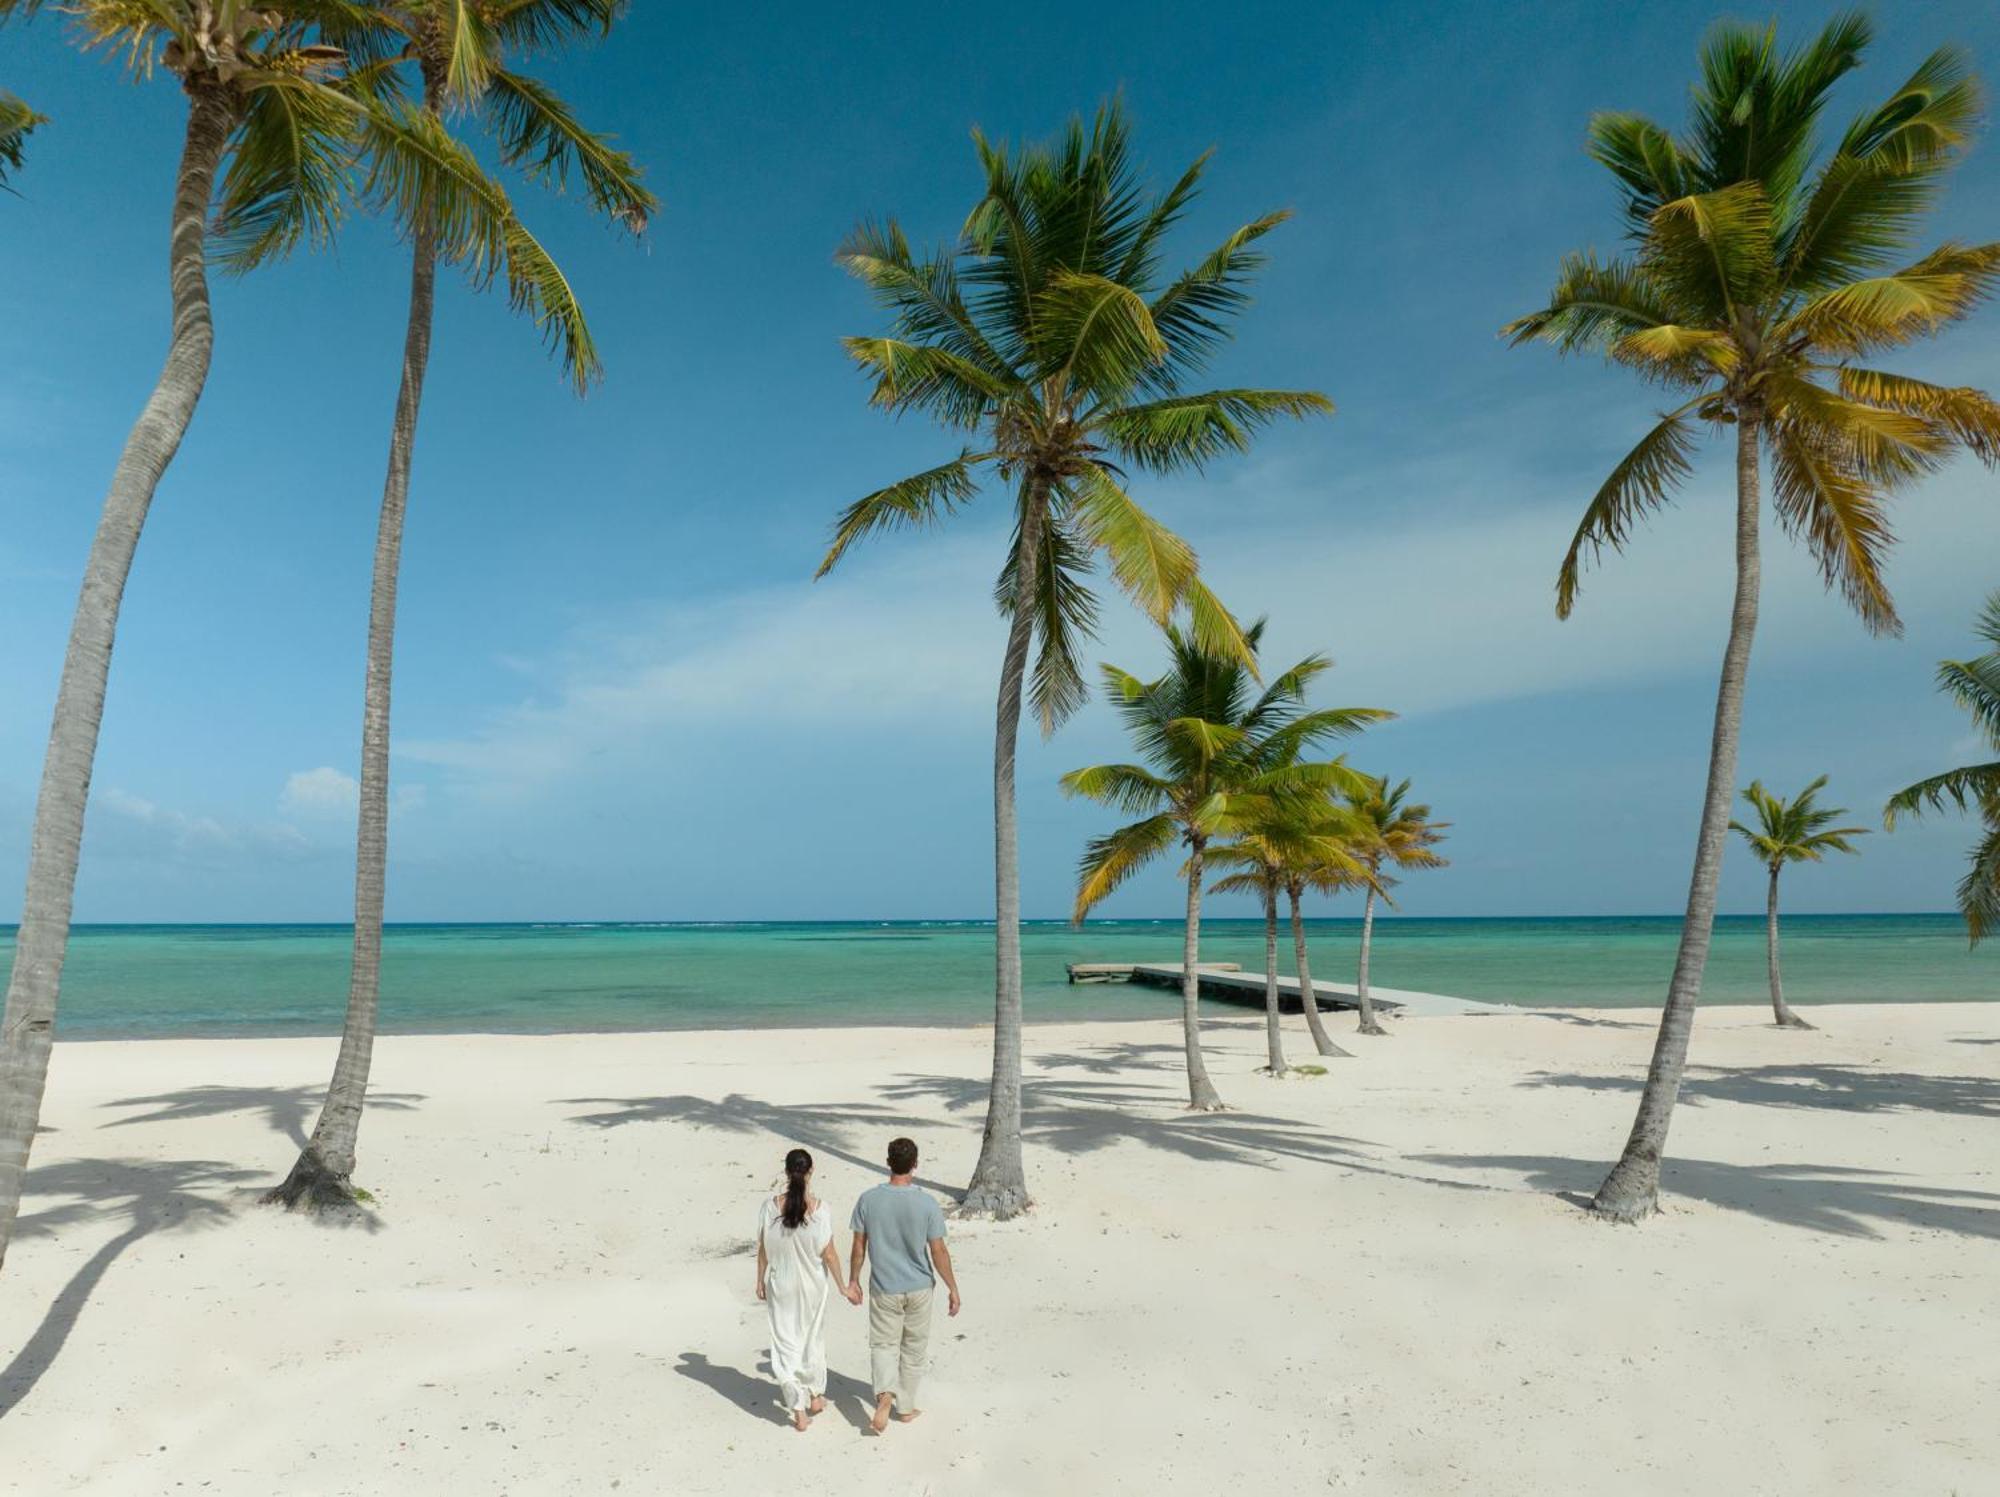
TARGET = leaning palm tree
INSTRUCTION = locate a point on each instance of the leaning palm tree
(1975, 685)
(1757, 285)
(460, 52)
(1790, 831)
(1279, 838)
(262, 99)
(1217, 753)
(1053, 332)
(17, 123)
(1323, 878)
(1398, 834)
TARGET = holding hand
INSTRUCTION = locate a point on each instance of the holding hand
(853, 1293)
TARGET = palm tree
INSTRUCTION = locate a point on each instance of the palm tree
(260, 98)
(1394, 834)
(1278, 839)
(255, 82)
(17, 123)
(1757, 282)
(1216, 756)
(459, 51)
(1325, 878)
(1975, 685)
(1790, 831)
(1052, 331)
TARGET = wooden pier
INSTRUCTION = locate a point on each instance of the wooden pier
(1228, 982)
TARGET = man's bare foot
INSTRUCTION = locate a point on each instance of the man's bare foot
(881, 1420)
(906, 1418)
(801, 1420)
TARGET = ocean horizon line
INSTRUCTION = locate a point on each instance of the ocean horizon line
(747, 922)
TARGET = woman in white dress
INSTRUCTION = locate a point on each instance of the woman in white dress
(797, 1273)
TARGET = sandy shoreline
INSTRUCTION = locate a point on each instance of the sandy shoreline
(1365, 1281)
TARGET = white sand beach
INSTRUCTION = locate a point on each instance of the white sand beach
(1365, 1281)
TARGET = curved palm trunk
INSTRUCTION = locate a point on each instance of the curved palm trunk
(1369, 1023)
(42, 941)
(1632, 1189)
(1202, 1095)
(1274, 1040)
(1308, 995)
(321, 1176)
(999, 1185)
(1780, 1010)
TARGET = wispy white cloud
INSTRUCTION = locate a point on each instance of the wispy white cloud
(328, 792)
(1427, 608)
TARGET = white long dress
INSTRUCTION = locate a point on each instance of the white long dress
(796, 1290)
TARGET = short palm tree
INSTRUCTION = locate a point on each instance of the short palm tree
(1279, 838)
(17, 123)
(1759, 281)
(1798, 830)
(459, 52)
(1975, 685)
(1217, 752)
(262, 101)
(1053, 331)
(1395, 833)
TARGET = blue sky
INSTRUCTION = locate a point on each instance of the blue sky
(619, 696)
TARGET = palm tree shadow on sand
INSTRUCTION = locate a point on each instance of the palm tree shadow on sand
(849, 1397)
(286, 1109)
(823, 1126)
(1837, 1088)
(1820, 1197)
(149, 1195)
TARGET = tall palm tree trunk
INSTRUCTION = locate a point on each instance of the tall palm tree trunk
(1369, 1023)
(1202, 1095)
(999, 1185)
(321, 1176)
(1632, 1189)
(1780, 1010)
(1308, 995)
(1274, 1040)
(42, 941)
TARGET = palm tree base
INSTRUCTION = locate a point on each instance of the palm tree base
(313, 1188)
(995, 1202)
(1329, 1048)
(1370, 1027)
(1208, 1104)
(1789, 1020)
(1630, 1193)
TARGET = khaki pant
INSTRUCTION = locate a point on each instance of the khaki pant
(899, 1339)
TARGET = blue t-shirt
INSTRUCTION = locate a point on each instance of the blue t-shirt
(901, 1221)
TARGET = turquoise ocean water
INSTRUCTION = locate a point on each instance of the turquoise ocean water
(292, 979)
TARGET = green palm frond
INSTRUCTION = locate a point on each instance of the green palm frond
(1095, 334)
(927, 377)
(1819, 496)
(1110, 860)
(1970, 417)
(1193, 314)
(1887, 311)
(1646, 160)
(547, 25)
(1595, 304)
(539, 133)
(290, 175)
(471, 50)
(920, 500)
(1979, 890)
(1150, 564)
(1643, 481)
(1712, 252)
(17, 123)
(1065, 617)
(1186, 431)
(1963, 789)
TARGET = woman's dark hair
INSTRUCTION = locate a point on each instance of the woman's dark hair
(798, 1164)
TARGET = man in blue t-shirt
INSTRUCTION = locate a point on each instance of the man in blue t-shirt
(900, 1227)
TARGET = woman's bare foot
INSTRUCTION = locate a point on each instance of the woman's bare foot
(906, 1418)
(881, 1420)
(801, 1420)
(818, 1406)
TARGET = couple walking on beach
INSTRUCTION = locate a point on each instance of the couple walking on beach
(899, 1233)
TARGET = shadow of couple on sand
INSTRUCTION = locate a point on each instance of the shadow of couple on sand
(849, 1397)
